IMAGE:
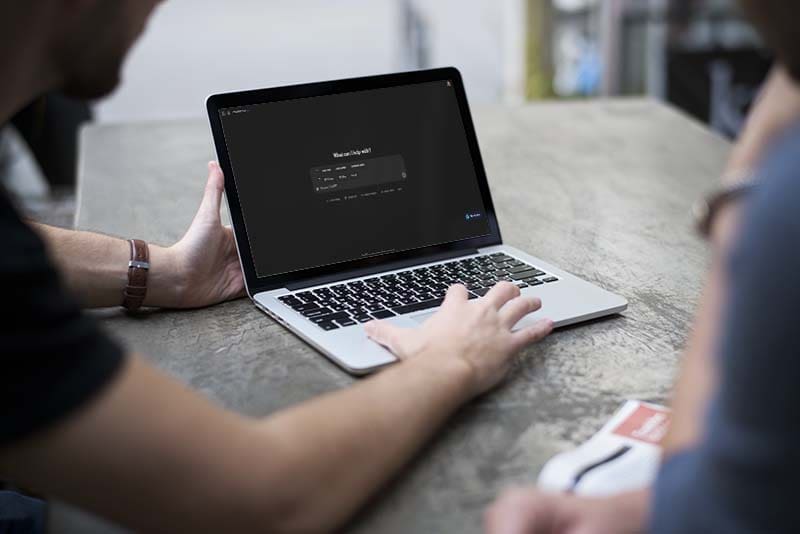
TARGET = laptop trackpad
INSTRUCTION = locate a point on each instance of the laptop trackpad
(422, 317)
(528, 320)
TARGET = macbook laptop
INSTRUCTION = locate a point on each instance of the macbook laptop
(364, 199)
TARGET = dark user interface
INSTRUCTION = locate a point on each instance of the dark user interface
(342, 177)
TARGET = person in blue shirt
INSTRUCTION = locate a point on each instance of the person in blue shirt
(731, 462)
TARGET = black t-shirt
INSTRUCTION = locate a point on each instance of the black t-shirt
(54, 357)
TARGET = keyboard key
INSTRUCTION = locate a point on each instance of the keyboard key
(330, 317)
(306, 296)
(417, 306)
(502, 259)
(521, 268)
(481, 292)
(525, 274)
(346, 322)
(327, 325)
(363, 318)
(550, 279)
(383, 314)
(300, 308)
(317, 312)
(533, 281)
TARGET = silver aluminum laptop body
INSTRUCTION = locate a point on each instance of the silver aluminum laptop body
(566, 299)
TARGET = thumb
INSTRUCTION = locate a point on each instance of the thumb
(212, 197)
(388, 335)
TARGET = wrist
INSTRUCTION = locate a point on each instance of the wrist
(709, 209)
(455, 372)
(165, 288)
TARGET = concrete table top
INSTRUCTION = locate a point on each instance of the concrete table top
(601, 189)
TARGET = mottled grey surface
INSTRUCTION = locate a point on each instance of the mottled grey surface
(601, 189)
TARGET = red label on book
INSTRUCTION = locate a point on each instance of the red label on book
(646, 424)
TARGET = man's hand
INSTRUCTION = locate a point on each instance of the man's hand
(199, 270)
(205, 262)
(475, 333)
(528, 511)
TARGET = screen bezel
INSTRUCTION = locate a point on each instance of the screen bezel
(256, 284)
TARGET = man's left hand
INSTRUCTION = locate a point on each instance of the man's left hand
(204, 262)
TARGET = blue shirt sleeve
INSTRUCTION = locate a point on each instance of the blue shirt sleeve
(743, 476)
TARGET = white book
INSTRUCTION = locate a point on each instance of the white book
(624, 455)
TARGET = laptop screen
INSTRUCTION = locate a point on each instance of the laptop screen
(330, 179)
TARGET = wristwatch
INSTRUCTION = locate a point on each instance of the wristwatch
(705, 209)
(138, 266)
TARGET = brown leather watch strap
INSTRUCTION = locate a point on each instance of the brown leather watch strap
(136, 290)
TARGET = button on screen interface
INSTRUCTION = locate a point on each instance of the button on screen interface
(358, 174)
(331, 179)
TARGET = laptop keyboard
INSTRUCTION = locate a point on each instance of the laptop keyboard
(360, 301)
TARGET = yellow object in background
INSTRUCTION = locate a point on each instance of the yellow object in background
(539, 66)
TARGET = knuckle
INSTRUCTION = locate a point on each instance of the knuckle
(532, 334)
(539, 333)
(507, 286)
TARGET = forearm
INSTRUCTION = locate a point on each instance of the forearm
(336, 450)
(777, 106)
(697, 378)
(95, 267)
(156, 457)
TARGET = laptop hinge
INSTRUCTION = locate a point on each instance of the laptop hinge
(391, 266)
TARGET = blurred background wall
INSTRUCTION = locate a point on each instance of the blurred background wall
(195, 47)
(698, 55)
(683, 51)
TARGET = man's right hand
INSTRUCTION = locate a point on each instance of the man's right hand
(473, 333)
